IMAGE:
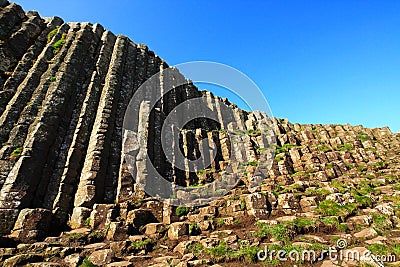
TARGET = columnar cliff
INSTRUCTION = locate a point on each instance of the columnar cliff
(64, 90)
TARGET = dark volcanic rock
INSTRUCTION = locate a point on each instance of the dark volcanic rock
(64, 91)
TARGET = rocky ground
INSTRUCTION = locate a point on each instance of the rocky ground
(328, 183)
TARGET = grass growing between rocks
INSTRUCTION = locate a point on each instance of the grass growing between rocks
(292, 188)
(223, 253)
(279, 158)
(363, 137)
(285, 232)
(181, 211)
(362, 200)
(96, 236)
(52, 34)
(59, 44)
(145, 244)
(73, 237)
(253, 163)
(332, 208)
(194, 229)
(280, 232)
(16, 153)
(285, 148)
(385, 250)
(381, 223)
(87, 263)
(344, 147)
(319, 192)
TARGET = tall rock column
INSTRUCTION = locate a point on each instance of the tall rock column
(91, 184)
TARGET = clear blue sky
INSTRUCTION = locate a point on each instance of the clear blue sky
(316, 61)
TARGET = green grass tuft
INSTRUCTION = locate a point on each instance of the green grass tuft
(17, 152)
(87, 263)
(52, 34)
(181, 210)
(331, 208)
(59, 44)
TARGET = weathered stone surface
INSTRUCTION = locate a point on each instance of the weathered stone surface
(183, 247)
(140, 217)
(385, 209)
(177, 230)
(102, 215)
(367, 233)
(101, 257)
(120, 264)
(32, 225)
(73, 260)
(79, 217)
(258, 206)
(22, 259)
(45, 264)
(287, 202)
(362, 220)
(117, 231)
(308, 203)
(7, 219)
(155, 229)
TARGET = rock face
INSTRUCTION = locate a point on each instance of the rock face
(32, 224)
(64, 90)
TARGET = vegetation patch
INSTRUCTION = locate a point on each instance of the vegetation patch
(87, 263)
(381, 223)
(52, 34)
(223, 253)
(344, 147)
(284, 148)
(181, 211)
(16, 153)
(280, 232)
(324, 148)
(145, 244)
(331, 208)
(59, 44)
(363, 137)
(292, 188)
(194, 229)
(253, 163)
(319, 192)
(75, 236)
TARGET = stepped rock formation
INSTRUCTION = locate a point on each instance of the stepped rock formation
(65, 88)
